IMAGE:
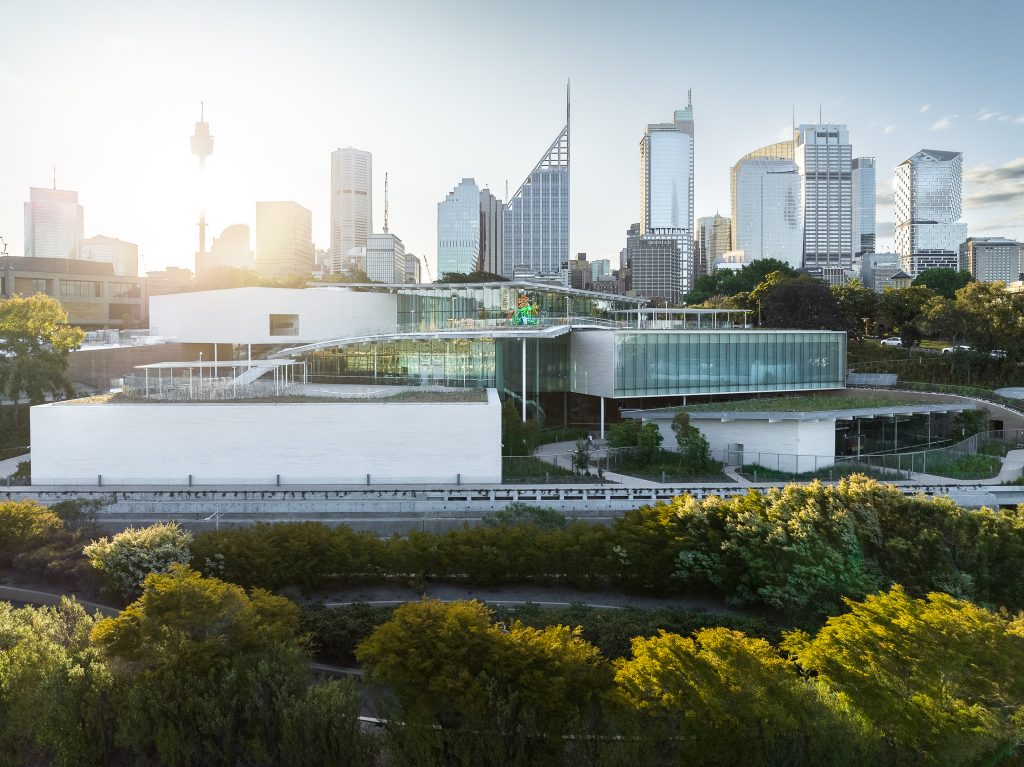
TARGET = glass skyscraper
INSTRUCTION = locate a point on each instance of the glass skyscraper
(714, 239)
(535, 236)
(385, 258)
(351, 203)
(825, 157)
(929, 190)
(863, 205)
(458, 230)
(766, 206)
(284, 239)
(666, 202)
(53, 223)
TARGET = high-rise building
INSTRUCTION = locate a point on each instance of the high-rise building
(765, 191)
(351, 202)
(600, 269)
(459, 229)
(666, 198)
(231, 250)
(284, 239)
(992, 259)
(877, 269)
(53, 223)
(491, 219)
(714, 239)
(824, 156)
(412, 269)
(928, 195)
(656, 265)
(863, 169)
(385, 258)
(535, 235)
(123, 255)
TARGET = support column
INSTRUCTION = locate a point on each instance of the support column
(602, 417)
(524, 379)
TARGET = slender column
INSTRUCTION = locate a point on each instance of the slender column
(524, 379)
(602, 417)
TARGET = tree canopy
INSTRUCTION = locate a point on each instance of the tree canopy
(459, 277)
(726, 282)
(35, 339)
(945, 282)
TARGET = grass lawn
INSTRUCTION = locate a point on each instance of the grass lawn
(756, 473)
(530, 469)
(665, 467)
(967, 467)
(809, 403)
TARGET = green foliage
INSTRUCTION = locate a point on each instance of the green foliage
(78, 513)
(321, 728)
(855, 303)
(25, 526)
(800, 302)
(35, 339)
(336, 632)
(519, 513)
(729, 283)
(643, 438)
(694, 450)
(945, 282)
(459, 278)
(126, 559)
(530, 469)
(941, 680)
(518, 437)
(581, 456)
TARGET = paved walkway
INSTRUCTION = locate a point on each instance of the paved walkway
(8, 467)
(1012, 468)
(34, 597)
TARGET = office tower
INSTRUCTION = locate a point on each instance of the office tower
(600, 269)
(351, 202)
(123, 255)
(576, 272)
(458, 230)
(666, 197)
(229, 251)
(53, 223)
(535, 235)
(927, 207)
(656, 263)
(385, 258)
(412, 269)
(877, 269)
(632, 238)
(714, 239)
(863, 169)
(491, 219)
(284, 239)
(765, 192)
(992, 259)
(825, 158)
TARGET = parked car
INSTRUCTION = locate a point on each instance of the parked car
(997, 354)
(894, 341)
(955, 349)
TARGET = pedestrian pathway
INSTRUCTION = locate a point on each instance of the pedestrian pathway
(9, 466)
(1012, 468)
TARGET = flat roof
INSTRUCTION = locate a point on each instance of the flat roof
(847, 414)
(207, 364)
(462, 285)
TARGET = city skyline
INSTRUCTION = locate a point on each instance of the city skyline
(131, 83)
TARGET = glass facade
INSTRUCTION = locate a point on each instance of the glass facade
(767, 208)
(928, 198)
(651, 364)
(535, 226)
(458, 230)
(863, 205)
(825, 158)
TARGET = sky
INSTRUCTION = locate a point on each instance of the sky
(108, 93)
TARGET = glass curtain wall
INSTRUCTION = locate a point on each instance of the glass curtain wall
(651, 364)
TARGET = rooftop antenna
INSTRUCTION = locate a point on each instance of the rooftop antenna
(793, 123)
(689, 97)
(55, 178)
(819, 114)
(385, 203)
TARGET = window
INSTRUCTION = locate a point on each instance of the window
(80, 289)
(284, 324)
(125, 290)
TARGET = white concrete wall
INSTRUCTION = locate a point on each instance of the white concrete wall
(307, 443)
(786, 445)
(592, 362)
(242, 315)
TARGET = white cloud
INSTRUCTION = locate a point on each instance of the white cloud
(986, 114)
(1019, 120)
(944, 122)
(888, 129)
(925, 108)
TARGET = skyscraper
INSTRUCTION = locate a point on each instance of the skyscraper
(53, 223)
(459, 230)
(231, 250)
(863, 169)
(123, 255)
(351, 202)
(824, 156)
(491, 220)
(385, 258)
(535, 236)
(284, 239)
(929, 188)
(766, 205)
(666, 200)
(714, 238)
(991, 259)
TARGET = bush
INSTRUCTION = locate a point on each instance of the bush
(126, 559)
(519, 513)
(25, 526)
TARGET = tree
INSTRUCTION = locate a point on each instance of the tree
(35, 339)
(945, 282)
(519, 513)
(581, 456)
(799, 302)
(204, 673)
(518, 437)
(643, 438)
(901, 306)
(941, 680)
(470, 277)
(25, 525)
(694, 451)
(948, 319)
(129, 557)
(708, 699)
(856, 303)
(726, 282)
